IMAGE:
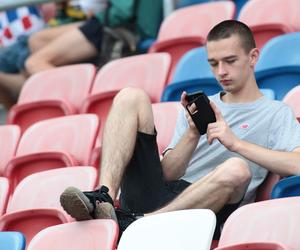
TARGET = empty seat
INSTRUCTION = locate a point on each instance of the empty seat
(279, 65)
(272, 224)
(188, 27)
(184, 229)
(284, 18)
(9, 138)
(30, 222)
(292, 98)
(52, 93)
(287, 187)
(165, 116)
(12, 241)
(148, 72)
(91, 235)
(43, 189)
(4, 194)
(54, 143)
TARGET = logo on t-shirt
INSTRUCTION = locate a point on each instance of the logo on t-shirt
(244, 126)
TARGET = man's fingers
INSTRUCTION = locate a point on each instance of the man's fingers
(217, 112)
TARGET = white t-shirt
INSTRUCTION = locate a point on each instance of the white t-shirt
(270, 124)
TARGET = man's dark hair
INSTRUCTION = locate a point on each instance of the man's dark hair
(228, 28)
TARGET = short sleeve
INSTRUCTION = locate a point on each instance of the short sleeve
(181, 126)
(284, 134)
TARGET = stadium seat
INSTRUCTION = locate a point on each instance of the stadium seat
(187, 28)
(265, 189)
(287, 187)
(148, 72)
(91, 235)
(9, 138)
(284, 18)
(30, 222)
(185, 229)
(43, 189)
(53, 143)
(279, 65)
(4, 194)
(165, 117)
(52, 93)
(272, 224)
(292, 98)
(193, 65)
(12, 241)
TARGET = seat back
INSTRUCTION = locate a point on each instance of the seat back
(266, 221)
(287, 187)
(196, 20)
(4, 194)
(165, 116)
(279, 64)
(193, 65)
(284, 18)
(292, 98)
(52, 93)
(74, 134)
(53, 143)
(30, 222)
(187, 28)
(9, 138)
(42, 190)
(12, 241)
(92, 235)
(148, 72)
(172, 230)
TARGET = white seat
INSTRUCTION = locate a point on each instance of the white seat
(185, 229)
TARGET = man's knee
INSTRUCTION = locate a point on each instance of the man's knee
(30, 63)
(234, 173)
(131, 97)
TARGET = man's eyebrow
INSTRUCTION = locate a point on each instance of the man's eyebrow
(222, 59)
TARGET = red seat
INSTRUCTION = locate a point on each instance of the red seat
(53, 143)
(9, 138)
(52, 93)
(43, 189)
(272, 224)
(30, 222)
(148, 72)
(188, 27)
(165, 116)
(4, 194)
(91, 235)
(284, 18)
(265, 189)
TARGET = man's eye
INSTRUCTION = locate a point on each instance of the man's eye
(231, 61)
(213, 65)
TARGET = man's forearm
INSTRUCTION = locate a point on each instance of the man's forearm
(282, 163)
(175, 161)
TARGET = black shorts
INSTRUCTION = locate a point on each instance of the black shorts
(144, 188)
(92, 29)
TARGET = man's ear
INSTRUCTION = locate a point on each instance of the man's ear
(254, 56)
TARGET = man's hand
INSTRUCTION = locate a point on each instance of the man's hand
(221, 131)
(192, 109)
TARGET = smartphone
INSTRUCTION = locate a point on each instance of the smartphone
(204, 113)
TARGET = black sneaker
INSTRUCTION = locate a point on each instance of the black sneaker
(81, 205)
(125, 218)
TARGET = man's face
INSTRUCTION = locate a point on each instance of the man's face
(230, 64)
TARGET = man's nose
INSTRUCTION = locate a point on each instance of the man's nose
(222, 69)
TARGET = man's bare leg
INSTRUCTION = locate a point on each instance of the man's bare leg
(226, 184)
(70, 47)
(41, 38)
(131, 112)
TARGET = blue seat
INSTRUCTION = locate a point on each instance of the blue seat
(287, 187)
(193, 65)
(12, 241)
(279, 65)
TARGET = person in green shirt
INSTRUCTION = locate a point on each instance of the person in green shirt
(78, 42)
